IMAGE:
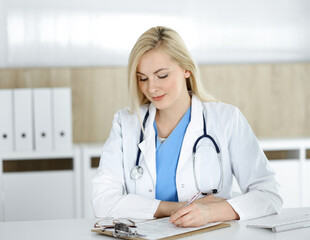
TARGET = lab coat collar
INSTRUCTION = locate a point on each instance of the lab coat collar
(196, 122)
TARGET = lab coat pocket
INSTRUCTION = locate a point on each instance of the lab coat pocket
(206, 166)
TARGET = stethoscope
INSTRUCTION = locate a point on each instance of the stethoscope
(137, 170)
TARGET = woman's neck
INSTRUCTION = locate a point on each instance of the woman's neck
(168, 119)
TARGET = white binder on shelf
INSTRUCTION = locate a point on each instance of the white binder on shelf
(42, 102)
(62, 118)
(23, 120)
(6, 120)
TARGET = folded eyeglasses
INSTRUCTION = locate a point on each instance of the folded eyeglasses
(122, 227)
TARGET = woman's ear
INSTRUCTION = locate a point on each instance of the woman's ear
(187, 74)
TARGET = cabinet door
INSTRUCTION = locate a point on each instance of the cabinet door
(31, 194)
(289, 177)
(91, 158)
(306, 183)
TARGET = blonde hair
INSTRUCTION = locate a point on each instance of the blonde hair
(172, 44)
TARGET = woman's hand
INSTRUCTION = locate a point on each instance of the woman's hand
(199, 209)
(193, 215)
(199, 214)
(167, 208)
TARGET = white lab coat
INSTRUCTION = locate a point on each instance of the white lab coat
(115, 194)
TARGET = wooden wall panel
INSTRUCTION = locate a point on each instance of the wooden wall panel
(8, 78)
(275, 98)
(97, 94)
(30, 78)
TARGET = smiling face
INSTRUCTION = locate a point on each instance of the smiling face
(162, 80)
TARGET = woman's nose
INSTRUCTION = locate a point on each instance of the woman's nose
(153, 86)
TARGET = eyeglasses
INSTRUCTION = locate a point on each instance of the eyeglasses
(121, 227)
(106, 223)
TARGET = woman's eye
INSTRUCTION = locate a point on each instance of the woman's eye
(142, 79)
(163, 76)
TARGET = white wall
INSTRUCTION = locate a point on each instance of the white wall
(3, 47)
(97, 32)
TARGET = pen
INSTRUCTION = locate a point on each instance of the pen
(193, 198)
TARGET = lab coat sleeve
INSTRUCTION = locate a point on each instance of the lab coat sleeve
(109, 194)
(252, 171)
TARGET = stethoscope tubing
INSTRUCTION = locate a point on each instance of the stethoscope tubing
(141, 137)
(137, 171)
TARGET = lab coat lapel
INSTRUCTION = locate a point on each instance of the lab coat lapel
(147, 146)
(193, 132)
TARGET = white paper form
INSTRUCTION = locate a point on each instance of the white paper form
(161, 228)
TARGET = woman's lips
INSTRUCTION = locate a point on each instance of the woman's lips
(159, 97)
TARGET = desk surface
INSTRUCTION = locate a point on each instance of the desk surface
(79, 229)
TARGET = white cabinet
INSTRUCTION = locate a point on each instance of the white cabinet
(288, 176)
(90, 158)
(40, 185)
(306, 176)
(292, 169)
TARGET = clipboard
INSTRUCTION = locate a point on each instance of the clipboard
(173, 237)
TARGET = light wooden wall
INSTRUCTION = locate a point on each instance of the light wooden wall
(275, 98)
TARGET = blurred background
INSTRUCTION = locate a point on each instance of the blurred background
(252, 54)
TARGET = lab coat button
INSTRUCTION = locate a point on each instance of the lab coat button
(150, 190)
(182, 185)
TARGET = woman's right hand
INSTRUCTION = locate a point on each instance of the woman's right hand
(167, 208)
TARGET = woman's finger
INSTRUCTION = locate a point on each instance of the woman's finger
(197, 215)
(179, 213)
(185, 221)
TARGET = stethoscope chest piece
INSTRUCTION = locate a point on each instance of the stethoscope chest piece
(136, 172)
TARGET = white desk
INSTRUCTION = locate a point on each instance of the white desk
(79, 229)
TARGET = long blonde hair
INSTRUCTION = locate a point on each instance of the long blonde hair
(172, 44)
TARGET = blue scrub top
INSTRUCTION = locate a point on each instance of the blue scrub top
(167, 157)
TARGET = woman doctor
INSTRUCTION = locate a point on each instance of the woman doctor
(177, 141)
